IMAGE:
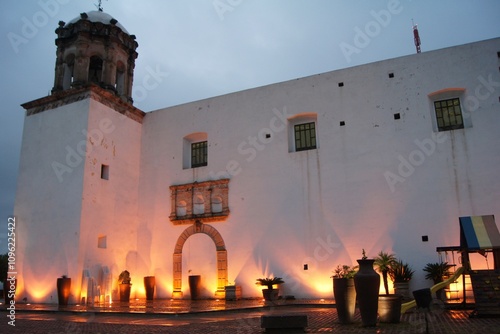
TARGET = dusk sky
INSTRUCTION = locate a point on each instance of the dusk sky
(195, 49)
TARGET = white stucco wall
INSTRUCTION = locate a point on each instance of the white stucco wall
(109, 207)
(48, 200)
(319, 207)
(322, 207)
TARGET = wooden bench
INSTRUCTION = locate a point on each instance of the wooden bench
(285, 323)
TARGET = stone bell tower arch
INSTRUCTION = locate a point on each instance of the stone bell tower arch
(220, 247)
(94, 48)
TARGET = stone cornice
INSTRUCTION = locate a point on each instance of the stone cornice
(92, 91)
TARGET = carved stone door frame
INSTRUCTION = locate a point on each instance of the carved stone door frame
(199, 227)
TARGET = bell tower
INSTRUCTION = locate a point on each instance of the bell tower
(79, 169)
(95, 49)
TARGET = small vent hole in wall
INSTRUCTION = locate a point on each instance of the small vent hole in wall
(391, 75)
(105, 172)
(101, 241)
(342, 123)
(425, 238)
(397, 116)
(341, 84)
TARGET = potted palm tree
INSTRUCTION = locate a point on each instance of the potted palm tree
(401, 273)
(436, 272)
(270, 293)
(389, 305)
(344, 292)
(125, 285)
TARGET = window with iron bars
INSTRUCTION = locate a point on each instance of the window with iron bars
(305, 136)
(449, 114)
(199, 154)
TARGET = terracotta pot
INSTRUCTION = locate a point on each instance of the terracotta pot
(367, 283)
(403, 289)
(149, 286)
(195, 286)
(125, 292)
(345, 299)
(389, 308)
(270, 294)
(63, 290)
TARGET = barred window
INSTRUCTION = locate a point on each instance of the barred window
(305, 136)
(449, 114)
(199, 154)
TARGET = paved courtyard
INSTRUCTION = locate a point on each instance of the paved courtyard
(242, 317)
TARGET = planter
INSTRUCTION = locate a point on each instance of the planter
(195, 286)
(423, 298)
(270, 294)
(125, 292)
(149, 286)
(389, 308)
(367, 283)
(233, 292)
(63, 290)
(345, 299)
(403, 289)
(9, 290)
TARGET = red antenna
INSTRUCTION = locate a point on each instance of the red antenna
(416, 37)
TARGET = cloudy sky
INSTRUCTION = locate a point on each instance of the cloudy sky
(201, 48)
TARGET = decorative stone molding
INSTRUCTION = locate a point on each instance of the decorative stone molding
(205, 202)
(92, 91)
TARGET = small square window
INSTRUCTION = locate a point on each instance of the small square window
(341, 84)
(498, 54)
(105, 172)
(199, 154)
(397, 116)
(342, 123)
(305, 136)
(391, 75)
(268, 135)
(425, 238)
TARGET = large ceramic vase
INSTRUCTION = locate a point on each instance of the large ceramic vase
(195, 286)
(63, 290)
(149, 286)
(345, 299)
(389, 308)
(367, 283)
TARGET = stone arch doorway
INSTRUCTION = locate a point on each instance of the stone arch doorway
(220, 247)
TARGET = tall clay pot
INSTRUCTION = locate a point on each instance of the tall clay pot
(125, 292)
(63, 290)
(367, 283)
(195, 286)
(149, 286)
(345, 299)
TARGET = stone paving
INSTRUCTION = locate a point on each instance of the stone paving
(241, 317)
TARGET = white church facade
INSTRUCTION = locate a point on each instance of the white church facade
(288, 180)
